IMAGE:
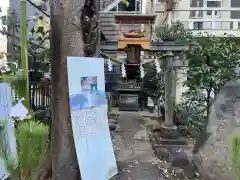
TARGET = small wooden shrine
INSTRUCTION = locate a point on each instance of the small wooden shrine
(133, 41)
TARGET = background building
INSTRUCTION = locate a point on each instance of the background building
(212, 16)
(3, 39)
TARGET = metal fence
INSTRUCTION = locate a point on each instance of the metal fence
(39, 93)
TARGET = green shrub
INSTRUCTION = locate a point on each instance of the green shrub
(235, 155)
(32, 140)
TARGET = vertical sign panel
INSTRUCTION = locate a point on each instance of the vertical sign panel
(89, 118)
(9, 131)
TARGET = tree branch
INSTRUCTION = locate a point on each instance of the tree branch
(10, 35)
(38, 8)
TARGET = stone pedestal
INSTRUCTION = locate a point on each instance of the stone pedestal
(169, 131)
(169, 139)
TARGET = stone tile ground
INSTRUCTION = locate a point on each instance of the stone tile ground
(133, 150)
(134, 153)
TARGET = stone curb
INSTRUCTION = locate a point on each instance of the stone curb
(199, 168)
(142, 114)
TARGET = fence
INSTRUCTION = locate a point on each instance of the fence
(39, 93)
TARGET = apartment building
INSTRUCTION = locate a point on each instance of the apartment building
(3, 39)
(211, 16)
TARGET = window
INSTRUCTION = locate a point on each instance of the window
(198, 25)
(235, 3)
(231, 25)
(235, 14)
(196, 3)
(213, 4)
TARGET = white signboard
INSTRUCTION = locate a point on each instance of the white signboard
(89, 118)
(9, 131)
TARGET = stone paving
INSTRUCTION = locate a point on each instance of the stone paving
(135, 157)
(133, 150)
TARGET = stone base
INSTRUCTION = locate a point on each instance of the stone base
(179, 141)
(169, 146)
(169, 132)
(177, 159)
(168, 136)
(112, 126)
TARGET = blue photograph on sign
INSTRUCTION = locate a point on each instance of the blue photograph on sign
(89, 95)
(89, 84)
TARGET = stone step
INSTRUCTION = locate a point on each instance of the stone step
(158, 137)
(108, 25)
(178, 141)
(174, 146)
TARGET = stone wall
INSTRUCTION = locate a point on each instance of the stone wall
(213, 158)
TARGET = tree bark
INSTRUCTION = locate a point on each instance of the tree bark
(75, 32)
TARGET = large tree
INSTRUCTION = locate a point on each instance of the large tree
(74, 32)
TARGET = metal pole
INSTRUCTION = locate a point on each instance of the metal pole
(24, 86)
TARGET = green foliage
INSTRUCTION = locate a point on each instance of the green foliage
(191, 113)
(152, 84)
(32, 139)
(235, 155)
(38, 38)
(125, 2)
(175, 31)
(9, 20)
(7, 68)
(213, 61)
(40, 33)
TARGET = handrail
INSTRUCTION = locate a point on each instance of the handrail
(120, 12)
(111, 5)
(201, 9)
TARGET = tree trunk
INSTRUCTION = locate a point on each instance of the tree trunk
(75, 32)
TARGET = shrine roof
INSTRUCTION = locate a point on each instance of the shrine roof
(135, 18)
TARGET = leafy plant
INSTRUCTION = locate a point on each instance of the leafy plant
(235, 155)
(190, 113)
(32, 139)
(175, 31)
(125, 2)
(212, 63)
